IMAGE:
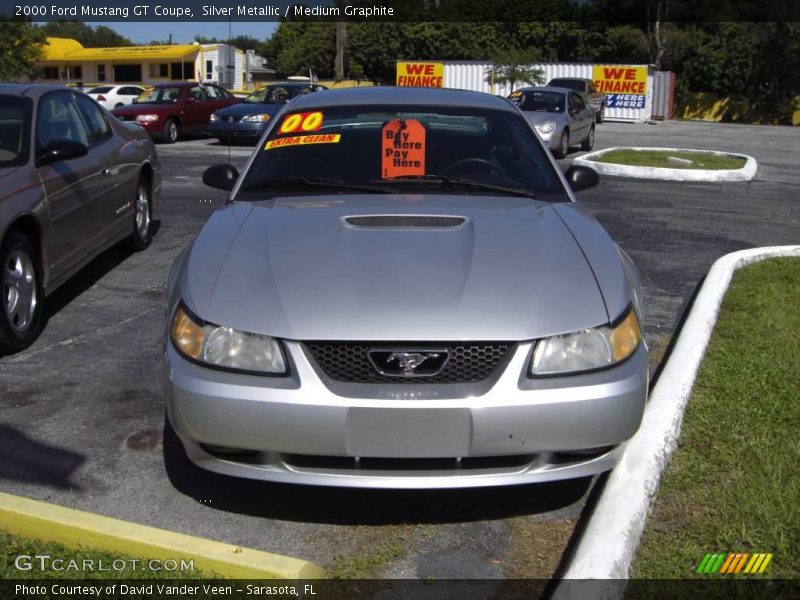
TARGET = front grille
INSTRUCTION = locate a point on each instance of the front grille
(348, 361)
(345, 463)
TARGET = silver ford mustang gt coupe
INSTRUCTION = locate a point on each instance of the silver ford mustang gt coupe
(403, 292)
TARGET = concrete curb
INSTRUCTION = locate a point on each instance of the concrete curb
(608, 545)
(74, 528)
(746, 173)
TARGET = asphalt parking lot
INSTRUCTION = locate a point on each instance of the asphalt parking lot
(82, 421)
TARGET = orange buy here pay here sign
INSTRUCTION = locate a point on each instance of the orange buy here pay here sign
(402, 148)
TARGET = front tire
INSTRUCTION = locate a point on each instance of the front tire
(21, 313)
(588, 143)
(169, 133)
(563, 148)
(142, 217)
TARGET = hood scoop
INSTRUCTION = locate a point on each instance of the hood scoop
(404, 221)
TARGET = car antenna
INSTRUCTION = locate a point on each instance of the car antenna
(230, 116)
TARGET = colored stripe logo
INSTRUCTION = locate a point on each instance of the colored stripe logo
(734, 563)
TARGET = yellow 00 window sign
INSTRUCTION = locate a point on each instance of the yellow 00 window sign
(302, 140)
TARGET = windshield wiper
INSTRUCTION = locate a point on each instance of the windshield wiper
(335, 184)
(458, 182)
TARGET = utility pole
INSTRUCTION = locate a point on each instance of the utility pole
(341, 41)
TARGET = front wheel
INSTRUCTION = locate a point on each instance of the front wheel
(563, 147)
(142, 216)
(588, 143)
(169, 133)
(22, 293)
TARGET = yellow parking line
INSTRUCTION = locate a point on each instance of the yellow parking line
(75, 528)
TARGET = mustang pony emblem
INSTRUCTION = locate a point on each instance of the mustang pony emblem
(398, 363)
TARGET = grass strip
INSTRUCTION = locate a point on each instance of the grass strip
(733, 484)
(659, 158)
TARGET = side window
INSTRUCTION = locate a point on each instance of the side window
(579, 103)
(222, 93)
(130, 91)
(95, 119)
(212, 92)
(197, 93)
(58, 119)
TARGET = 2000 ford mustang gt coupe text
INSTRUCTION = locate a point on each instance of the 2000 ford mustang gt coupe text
(403, 292)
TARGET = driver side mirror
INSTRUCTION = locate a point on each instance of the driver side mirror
(58, 150)
(580, 177)
(222, 176)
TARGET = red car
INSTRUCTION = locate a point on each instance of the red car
(174, 109)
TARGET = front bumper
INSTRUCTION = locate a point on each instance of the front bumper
(306, 428)
(237, 129)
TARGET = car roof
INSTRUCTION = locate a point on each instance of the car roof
(176, 84)
(570, 79)
(390, 95)
(291, 83)
(32, 90)
(546, 88)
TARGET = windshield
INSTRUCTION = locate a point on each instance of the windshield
(539, 101)
(403, 149)
(161, 95)
(275, 94)
(15, 119)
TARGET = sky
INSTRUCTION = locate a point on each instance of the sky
(183, 33)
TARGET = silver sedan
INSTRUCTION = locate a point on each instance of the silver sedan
(74, 181)
(561, 116)
(403, 292)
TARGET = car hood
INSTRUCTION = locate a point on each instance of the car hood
(243, 109)
(534, 117)
(296, 268)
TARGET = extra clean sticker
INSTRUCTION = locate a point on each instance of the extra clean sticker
(402, 148)
(302, 140)
(301, 122)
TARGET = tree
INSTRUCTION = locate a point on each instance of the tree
(88, 36)
(512, 65)
(20, 46)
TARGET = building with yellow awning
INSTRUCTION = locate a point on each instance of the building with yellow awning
(67, 61)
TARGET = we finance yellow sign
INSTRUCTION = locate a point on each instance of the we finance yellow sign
(624, 87)
(420, 74)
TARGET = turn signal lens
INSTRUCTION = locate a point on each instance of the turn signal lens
(187, 336)
(625, 337)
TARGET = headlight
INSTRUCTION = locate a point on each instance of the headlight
(225, 347)
(260, 118)
(546, 127)
(146, 118)
(213, 117)
(587, 349)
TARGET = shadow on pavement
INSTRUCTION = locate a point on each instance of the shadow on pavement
(342, 506)
(30, 461)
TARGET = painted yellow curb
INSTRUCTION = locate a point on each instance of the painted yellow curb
(75, 528)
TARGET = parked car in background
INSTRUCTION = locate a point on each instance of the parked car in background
(249, 120)
(114, 96)
(560, 115)
(595, 98)
(73, 181)
(403, 292)
(171, 110)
